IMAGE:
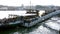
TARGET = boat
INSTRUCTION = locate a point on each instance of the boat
(30, 19)
(26, 20)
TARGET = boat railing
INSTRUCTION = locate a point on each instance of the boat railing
(33, 19)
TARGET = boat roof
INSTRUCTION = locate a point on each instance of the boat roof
(22, 14)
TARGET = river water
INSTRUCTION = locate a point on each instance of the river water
(50, 26)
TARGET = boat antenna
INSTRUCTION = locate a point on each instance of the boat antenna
(30, 4)
(22, 4)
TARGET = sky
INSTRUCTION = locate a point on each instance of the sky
(27, 2)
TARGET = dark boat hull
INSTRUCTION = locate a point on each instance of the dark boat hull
(33, 22)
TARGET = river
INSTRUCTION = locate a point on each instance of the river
(50, 26)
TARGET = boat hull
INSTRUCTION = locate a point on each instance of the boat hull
(33, 22)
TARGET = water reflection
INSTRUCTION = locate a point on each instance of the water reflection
(50, 26)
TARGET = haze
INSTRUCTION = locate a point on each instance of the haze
(27, 2)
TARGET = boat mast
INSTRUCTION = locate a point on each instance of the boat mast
(32, 11)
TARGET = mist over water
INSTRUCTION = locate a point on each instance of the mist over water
(5, 14)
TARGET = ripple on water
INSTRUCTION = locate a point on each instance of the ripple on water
(54, 23)
(43, 30)
(48, 27)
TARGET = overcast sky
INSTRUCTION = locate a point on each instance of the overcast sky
(27, 2)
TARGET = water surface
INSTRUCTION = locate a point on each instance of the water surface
(50, 26)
